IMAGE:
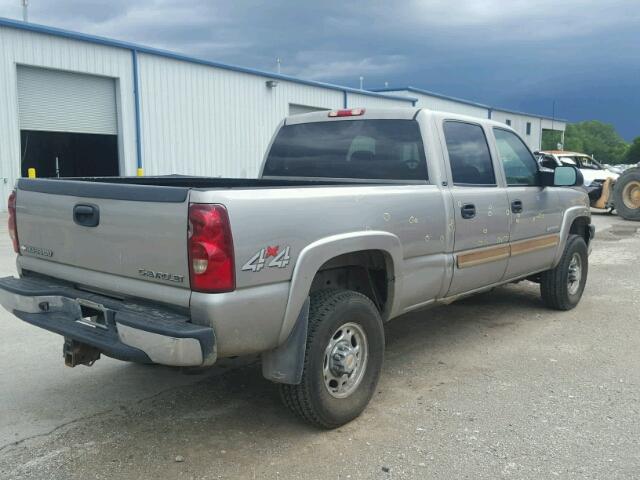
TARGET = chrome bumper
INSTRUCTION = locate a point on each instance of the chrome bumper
(127, 331)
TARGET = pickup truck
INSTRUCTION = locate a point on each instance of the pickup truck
(357, 218)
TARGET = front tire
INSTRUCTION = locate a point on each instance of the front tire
(343, 359)
(561, 287)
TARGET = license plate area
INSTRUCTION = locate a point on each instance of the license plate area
(92, 314)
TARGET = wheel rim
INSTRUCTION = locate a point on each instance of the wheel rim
(345, 360)
(631, 195)
(575, 274)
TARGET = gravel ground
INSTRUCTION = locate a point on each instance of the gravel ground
(489, 387)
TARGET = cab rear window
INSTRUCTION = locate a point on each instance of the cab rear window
(359, 149)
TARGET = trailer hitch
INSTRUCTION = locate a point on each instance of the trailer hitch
(77, 353)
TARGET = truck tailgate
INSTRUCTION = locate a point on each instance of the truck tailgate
(140, 231)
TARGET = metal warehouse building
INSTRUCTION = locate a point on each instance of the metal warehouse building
(74, 104)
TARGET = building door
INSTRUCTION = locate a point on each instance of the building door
(481, 248)
(68, 123)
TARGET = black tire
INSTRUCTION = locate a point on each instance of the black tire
(554, 284)
(626, 195)
(311, 400)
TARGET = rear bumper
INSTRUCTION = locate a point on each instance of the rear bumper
(126, 331)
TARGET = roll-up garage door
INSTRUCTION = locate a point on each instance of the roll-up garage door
(58, 101)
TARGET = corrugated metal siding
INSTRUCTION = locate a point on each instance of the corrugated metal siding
(444, 105)
(53, 100)
(202, 120)
(441, 104)
(33, 49)
(295, 109)
(519, 124)
(356, 100)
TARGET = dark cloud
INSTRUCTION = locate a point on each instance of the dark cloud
(519, 54)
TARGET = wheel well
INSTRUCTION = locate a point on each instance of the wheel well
(369, 272)
(580, 226)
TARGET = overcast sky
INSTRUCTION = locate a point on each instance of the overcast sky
(518, 54)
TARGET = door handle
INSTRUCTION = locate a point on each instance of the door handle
(86, 215)
(516, 206)
(468, 210)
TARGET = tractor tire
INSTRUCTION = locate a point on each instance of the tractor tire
(626, 195)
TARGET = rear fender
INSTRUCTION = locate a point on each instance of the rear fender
(284, 363)
(318, 253)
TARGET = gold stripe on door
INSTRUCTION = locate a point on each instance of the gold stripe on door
(480, 256)
(533, 245)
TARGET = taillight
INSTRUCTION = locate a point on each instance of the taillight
(211, 260)
(13, 226)
(349, 112)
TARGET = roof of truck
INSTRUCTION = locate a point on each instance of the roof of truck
(394, 113)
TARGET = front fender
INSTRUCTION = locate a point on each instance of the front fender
(569, 217)
(316, 254)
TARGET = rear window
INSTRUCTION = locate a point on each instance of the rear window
(363, 149)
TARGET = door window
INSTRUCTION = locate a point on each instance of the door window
(468, 154)
(520, 167)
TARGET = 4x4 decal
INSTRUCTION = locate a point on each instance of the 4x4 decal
(279, 258)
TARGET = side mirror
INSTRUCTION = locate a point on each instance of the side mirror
(562, 176)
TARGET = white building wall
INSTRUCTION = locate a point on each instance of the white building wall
(519, 124)
(548, 124)
(435, 103)
(444, 105)
(202, 120)
(355, 100)
(19, 47)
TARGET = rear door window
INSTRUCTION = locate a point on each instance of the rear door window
(359, 149)
(469, 154)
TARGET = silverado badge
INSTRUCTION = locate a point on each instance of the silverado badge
(41, 252)
(168, 277)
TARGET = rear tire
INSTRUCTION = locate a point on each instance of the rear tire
(561, 287)
(343, 359)
(626, 195)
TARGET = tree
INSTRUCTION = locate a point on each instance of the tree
(633, 152)
(598, 139)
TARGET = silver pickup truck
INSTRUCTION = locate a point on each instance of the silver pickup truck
(358, 217)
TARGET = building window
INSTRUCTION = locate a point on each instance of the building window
(528, 128)
(508, 122)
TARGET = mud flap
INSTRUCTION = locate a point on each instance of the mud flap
(285, 363)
